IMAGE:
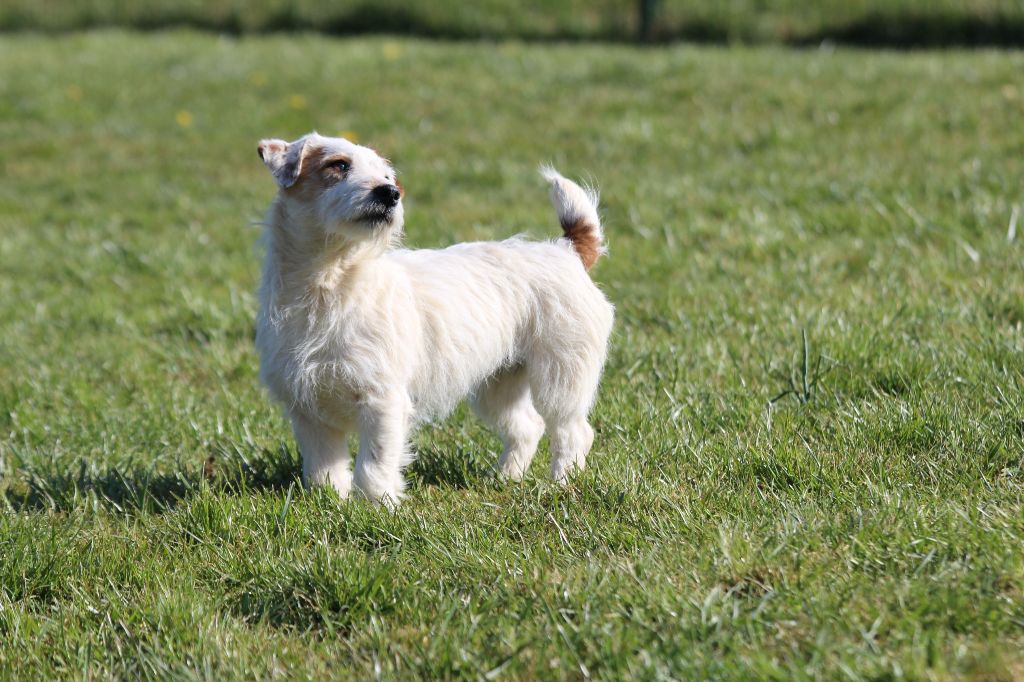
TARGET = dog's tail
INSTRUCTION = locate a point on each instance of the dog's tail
(577, 211)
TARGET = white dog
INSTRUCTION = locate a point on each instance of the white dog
(355, 334)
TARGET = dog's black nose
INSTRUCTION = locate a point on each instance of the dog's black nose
(387, 194)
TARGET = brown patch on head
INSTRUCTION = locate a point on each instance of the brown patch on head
(315, 173)
(585, 239)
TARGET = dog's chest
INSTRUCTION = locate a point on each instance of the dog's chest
(311, 362)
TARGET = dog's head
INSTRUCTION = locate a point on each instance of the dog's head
(344, 188)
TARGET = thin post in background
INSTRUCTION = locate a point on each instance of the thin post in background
(647, 11)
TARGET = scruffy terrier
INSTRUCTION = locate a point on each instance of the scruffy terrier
(356, 334)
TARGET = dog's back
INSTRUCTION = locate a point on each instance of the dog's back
(498, 305)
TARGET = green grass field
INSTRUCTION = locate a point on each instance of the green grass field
(867, 524)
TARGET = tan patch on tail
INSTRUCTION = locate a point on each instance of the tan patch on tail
(585, 240)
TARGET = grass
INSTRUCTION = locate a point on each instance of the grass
(872, 22)
(809, 451)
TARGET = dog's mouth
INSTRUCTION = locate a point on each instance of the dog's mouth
(377, 215)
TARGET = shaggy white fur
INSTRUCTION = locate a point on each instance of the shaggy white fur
(357, 334)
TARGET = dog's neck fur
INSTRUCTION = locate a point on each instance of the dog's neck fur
(307, 264)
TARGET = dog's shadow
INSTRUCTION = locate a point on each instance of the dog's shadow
(226, 469)
(137, 488)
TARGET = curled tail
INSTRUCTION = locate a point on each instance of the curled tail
(577, 211)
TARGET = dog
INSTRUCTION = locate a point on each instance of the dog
(356, 334)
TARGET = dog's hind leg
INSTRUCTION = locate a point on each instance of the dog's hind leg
(504, 402)
(563, 383)
(324, 450)
(570, 439)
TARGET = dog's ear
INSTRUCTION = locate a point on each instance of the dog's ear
(284, 159)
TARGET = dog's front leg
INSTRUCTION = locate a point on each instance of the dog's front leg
(383, 442)
(324, 450)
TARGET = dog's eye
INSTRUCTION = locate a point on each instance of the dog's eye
(341, 165)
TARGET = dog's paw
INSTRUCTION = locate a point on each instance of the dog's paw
(512, 470)
(386, 488)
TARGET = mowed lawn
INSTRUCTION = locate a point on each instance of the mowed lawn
(868, 523)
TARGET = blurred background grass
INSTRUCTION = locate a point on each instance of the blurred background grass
(900, 23)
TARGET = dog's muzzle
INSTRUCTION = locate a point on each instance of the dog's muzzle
(380, 208)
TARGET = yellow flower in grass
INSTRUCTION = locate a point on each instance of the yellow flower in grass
(349, 135)
(392, 51)
(184, 118)
(297, 102)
